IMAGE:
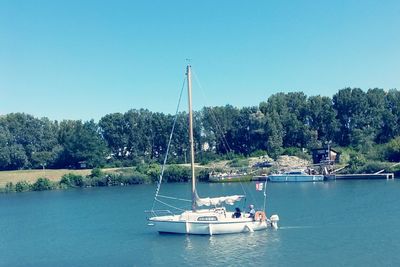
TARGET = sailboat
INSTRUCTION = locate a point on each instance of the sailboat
(215, 218)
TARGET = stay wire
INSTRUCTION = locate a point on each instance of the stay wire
(169, 144)
(218, 126)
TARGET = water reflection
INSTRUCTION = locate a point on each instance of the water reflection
(231, 249)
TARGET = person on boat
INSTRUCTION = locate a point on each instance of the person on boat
(237, 213)
(252, 211)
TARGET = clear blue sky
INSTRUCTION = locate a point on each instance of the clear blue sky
(84, 59)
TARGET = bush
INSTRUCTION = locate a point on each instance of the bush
(373, 167)
(203, 175)
(393, 150)
(176, 173)
(42, 184)
(238, 162)
(141, 174)
(65, 182)
(150, 171)
(134, 178)
(345, 153)
(396, 170)
(259, 153)
(97, 180)
(206, 157)
(356, 162)
(22, 186)
(153, 172)
(113, 179)
(114, 163)
(77, 180)
(9, 187)
(232, 156)
(376, 153)
(295, 151)
(96, 172)
(71, 179)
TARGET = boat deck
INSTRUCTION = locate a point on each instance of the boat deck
(364, 176)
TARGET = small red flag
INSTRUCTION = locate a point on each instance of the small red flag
(259, 186)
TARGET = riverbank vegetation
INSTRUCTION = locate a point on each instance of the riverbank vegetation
(141, 174)
(363, 125)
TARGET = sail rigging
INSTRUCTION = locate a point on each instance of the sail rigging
(168, 147)
(213, 220)
(217, 201)
(196, 201)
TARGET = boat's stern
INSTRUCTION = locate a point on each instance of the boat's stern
(274, 219)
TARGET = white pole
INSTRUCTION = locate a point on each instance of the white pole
(189, 80)
(265, 195)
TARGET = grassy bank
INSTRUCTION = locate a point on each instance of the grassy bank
(31, 176)
(39, 180)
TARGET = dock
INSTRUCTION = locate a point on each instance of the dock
(387, 176)
(329, 177)
(260, 178)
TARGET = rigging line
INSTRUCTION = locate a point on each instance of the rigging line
(219, 127)
(221, 130)
(175, 198)
(252, 198)
(168, 205)
(169, 143)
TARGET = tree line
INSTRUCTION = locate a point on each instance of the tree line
(351, 118)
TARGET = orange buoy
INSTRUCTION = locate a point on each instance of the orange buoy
(260, 216)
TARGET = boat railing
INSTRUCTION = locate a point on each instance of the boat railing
(155, 213)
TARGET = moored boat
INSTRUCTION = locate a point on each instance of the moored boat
(295, 176)
(229, 177)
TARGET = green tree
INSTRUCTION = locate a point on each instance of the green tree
(390, 118)
(71, 179)
(274, 132)
(351, 106)
(258, 136)
(219, 125)
(114, 129)
(27, 142)
(322, 118)
(42, 184)
(17, 157)
(81, 142)
(287, 122)
(393, 150)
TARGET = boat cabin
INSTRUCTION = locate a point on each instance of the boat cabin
(325, 155)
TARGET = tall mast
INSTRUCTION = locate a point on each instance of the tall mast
(189, 84)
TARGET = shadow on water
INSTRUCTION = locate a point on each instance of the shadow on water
(236, 249)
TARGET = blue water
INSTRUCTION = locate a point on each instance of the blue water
(342, 223)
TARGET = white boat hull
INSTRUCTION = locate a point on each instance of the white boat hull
(295, 178)
(188, 223)
(200, 228)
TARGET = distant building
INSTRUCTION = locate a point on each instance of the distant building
(205, 146)
(325, 156)
(82, 164)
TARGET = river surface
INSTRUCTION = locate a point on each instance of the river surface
(338, 223)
